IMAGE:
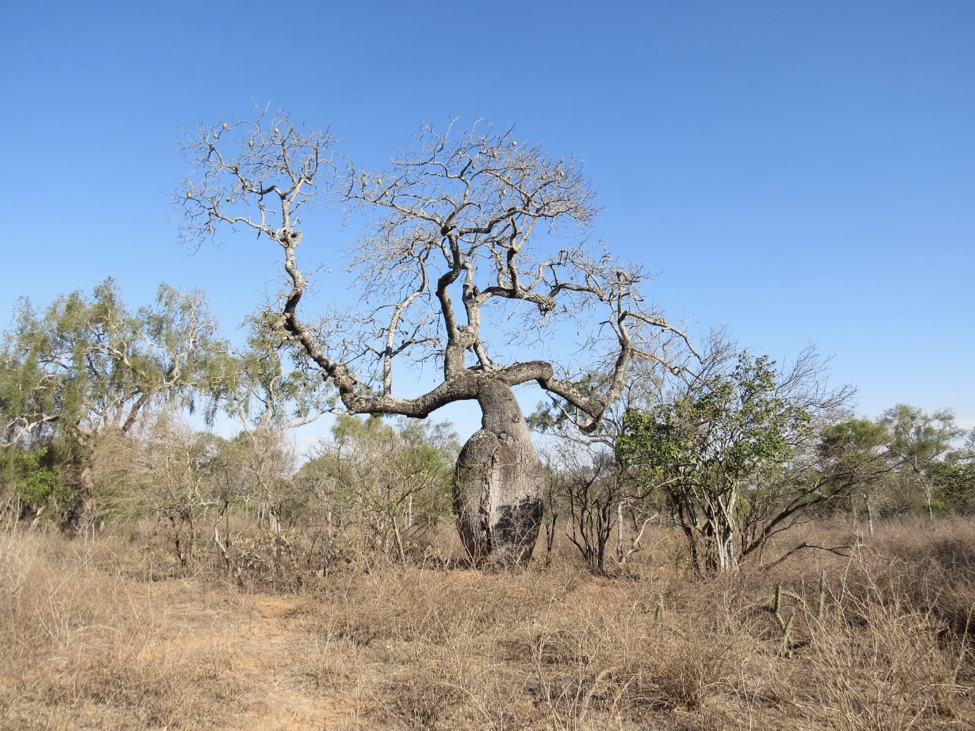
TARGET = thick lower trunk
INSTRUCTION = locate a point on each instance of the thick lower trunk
(498, 484)
(80, 517)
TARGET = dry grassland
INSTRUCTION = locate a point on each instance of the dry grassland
(91, 638)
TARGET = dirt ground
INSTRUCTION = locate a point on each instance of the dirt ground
(264, 640)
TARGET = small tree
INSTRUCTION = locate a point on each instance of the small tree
(853, 460)
(955, 477)
(955, 482)
(459, 270)
(29, 482)
(589, 488)
(270, 397)
(171, 473)
(723, 450)
(588, 485)
(393, 482)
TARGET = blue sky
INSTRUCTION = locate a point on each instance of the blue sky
(801, 172)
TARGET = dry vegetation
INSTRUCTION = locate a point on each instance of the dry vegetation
(95, 634)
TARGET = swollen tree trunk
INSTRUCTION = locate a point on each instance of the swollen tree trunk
(498, 486)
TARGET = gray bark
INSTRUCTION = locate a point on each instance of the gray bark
(498, 483)
(80, 517)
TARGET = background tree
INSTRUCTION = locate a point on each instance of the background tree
(919, 441)
(853, 457)
(88, 366)
(835, 461)
(464, 265)
(954, 480)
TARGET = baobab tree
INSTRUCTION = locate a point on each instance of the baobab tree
(478, 247)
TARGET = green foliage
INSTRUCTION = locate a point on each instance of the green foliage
(265, 390)
(955, 485)
(855, 438)
(724, 432)
(88, 363)
(919, 445)
(38, 481)
(32, 478)
(852, 462)
(917, 439)
(906, 461)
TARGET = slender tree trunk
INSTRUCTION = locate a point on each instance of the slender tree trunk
(724, 542)
(498, 486)
(80, 517)
(929, 499)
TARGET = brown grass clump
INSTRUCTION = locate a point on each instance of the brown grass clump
(92, 636)
(82, 646)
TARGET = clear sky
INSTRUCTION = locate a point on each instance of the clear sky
(801, 172)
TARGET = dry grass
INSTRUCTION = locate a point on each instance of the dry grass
(91, 636)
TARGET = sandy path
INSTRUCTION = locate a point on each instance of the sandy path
(273, 646)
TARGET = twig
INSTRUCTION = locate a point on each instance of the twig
(838, 550)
